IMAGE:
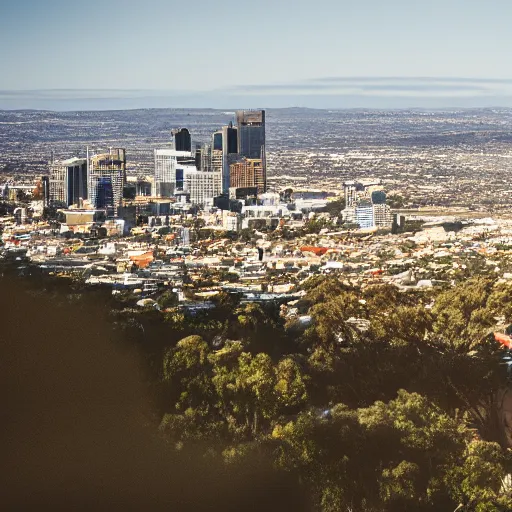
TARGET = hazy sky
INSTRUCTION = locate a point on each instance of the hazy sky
(258, 49)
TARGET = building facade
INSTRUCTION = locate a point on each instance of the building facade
(182, 140)
(68, 181)
(202, 186)
(382, 215)
(166, 163)
(249, 172)
(251, 133)
(364, 215)
(107, 176)
(251, 137)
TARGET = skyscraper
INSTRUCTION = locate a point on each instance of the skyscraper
(182, 140)
(166, 161)
(217, 141)
(68, 181)
(251, 133)
(217, 160)
(206, 158)
(229, 153)
(202, 186)
(216, 152)
(104, 193)
(251, 137)
(45, 181)
(111, 165)
(248, 172)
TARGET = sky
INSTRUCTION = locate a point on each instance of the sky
(68, 54)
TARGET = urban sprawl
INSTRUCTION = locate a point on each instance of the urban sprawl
(207, 221)
(346, 324)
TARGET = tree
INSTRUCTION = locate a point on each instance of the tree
(320, 289)
(290, 387)
(186, 366)
(245, 388)
(168, 299)
(402, 326)
(477, 483)
(334, 208)
(326, 453)
(461, 315)
(403, 455)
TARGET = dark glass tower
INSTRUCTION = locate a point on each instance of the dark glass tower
(229, 153)
(76, 182)
(251, 137)
(251, 133)
(217, 141)
(105, 195)
(182, 140)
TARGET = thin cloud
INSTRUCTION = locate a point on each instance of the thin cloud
(322, 92)
(361, 88)
(408, 79)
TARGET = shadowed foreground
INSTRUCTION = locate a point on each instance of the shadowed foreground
(77, 429)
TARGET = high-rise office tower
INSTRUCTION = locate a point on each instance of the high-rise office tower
(104, 193)
(107, 168)
(251, 136)
(198, 156)
(165, 172)
(381, 211)
(216, 163)
(351, 189)
(182, 140)
(45, 182)
(229, 153)
(364, 214)
(206, 158)
(166, 162)
(217, 160)
(251, 133)
(217, 141)
(57, 181)
(249, 172)
(68, 181)
(202, 186)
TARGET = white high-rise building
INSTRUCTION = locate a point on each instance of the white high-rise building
(202, 186)
(364, 215)
(166, 161)
(366, 204)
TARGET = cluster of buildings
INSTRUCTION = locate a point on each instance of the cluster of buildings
(98, 179)
(235, 158)
(231, 165)
(266, 267)
(226, 176)
(204, 218)
(182, 225)
(365, 204)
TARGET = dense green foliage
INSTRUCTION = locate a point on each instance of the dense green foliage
(386, 401)
(383, 401)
